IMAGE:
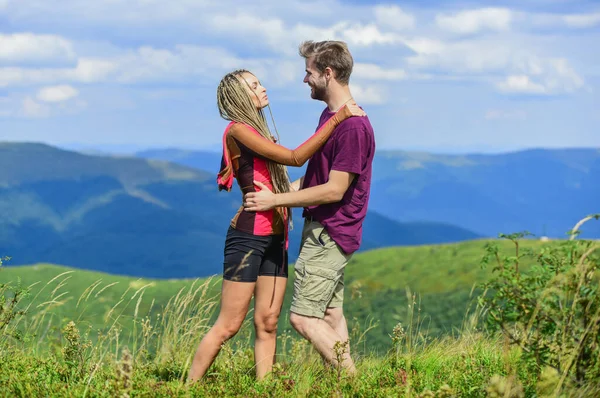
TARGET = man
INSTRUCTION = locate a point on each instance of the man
(334, 193)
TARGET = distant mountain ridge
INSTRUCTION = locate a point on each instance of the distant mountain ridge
(135, 216)
(544, 191)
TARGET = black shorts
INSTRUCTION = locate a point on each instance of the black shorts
(249, 256)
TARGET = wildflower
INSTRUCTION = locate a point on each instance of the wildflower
(125, 373)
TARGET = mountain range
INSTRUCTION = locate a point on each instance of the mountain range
(541, 191)
(130, 215)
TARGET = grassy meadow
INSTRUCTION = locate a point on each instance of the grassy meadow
(377, 283)
(415, 326)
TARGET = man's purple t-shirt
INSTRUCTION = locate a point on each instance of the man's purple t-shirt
(350, 148)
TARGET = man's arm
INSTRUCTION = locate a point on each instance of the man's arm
(330, 192)
(347, 162)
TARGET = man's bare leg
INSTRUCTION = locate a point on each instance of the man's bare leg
(323, 337)
(336, 319)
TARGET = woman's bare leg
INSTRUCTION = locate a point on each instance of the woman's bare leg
(235, 300)
(268, 300)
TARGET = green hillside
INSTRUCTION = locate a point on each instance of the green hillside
(441, 276)
(92, 334)
(40, 162)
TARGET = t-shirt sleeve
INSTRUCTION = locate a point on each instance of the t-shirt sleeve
(350, 151)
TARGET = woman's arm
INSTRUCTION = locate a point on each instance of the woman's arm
(291, 157)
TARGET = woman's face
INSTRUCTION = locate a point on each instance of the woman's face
(256, 91)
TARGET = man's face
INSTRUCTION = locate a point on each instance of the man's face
(315, 80)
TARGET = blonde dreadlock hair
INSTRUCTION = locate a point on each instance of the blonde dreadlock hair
(235, 104)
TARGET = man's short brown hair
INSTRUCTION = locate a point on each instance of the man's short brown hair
(330, 53)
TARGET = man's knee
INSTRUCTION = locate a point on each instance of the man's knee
(296, 321)
(300, 322)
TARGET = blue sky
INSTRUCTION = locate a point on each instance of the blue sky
(445, 76)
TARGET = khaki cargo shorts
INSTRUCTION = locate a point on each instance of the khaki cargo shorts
(319, 273)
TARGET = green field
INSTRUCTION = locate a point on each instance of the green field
(440, 276)
(414, 331)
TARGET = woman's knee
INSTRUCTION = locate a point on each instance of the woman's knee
(226, 330)
(266, 323)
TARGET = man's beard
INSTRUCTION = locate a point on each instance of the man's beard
(318, 92)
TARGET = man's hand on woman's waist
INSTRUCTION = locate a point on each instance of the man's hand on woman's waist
(331, 192)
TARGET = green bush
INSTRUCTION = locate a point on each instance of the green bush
(9, 301)
(550, 310)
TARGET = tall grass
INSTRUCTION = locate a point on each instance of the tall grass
(145, 349)
(153, 357)
(149, 353)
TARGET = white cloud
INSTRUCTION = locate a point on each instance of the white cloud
(521, 84)
(27, 47)
(582, 20)
(111, 11)
(365, 35)
(251, 28)
(572, 21)
(376, 72)
(187, 15)
(503, 60)
(368, 94)
(394, 17)
(425, 46)
(183, 63)
(187, 63)
(459, 57)
(479, 59)
(122, 49)
(473, 21)
(285, 39)
(57, 93)
(274, 72)
(144, 64)
(33, 109)
(563, 76)
(47, 102)
(86, 71)
(90, 70)
(552, 76)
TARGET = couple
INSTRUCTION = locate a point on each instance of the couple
(334, 193)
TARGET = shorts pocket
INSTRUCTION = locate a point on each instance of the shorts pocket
(324, 239)
(321, 238)
(319, 283)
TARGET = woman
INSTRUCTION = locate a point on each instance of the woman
(255, 252)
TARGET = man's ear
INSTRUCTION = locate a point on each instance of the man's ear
(329, 74)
